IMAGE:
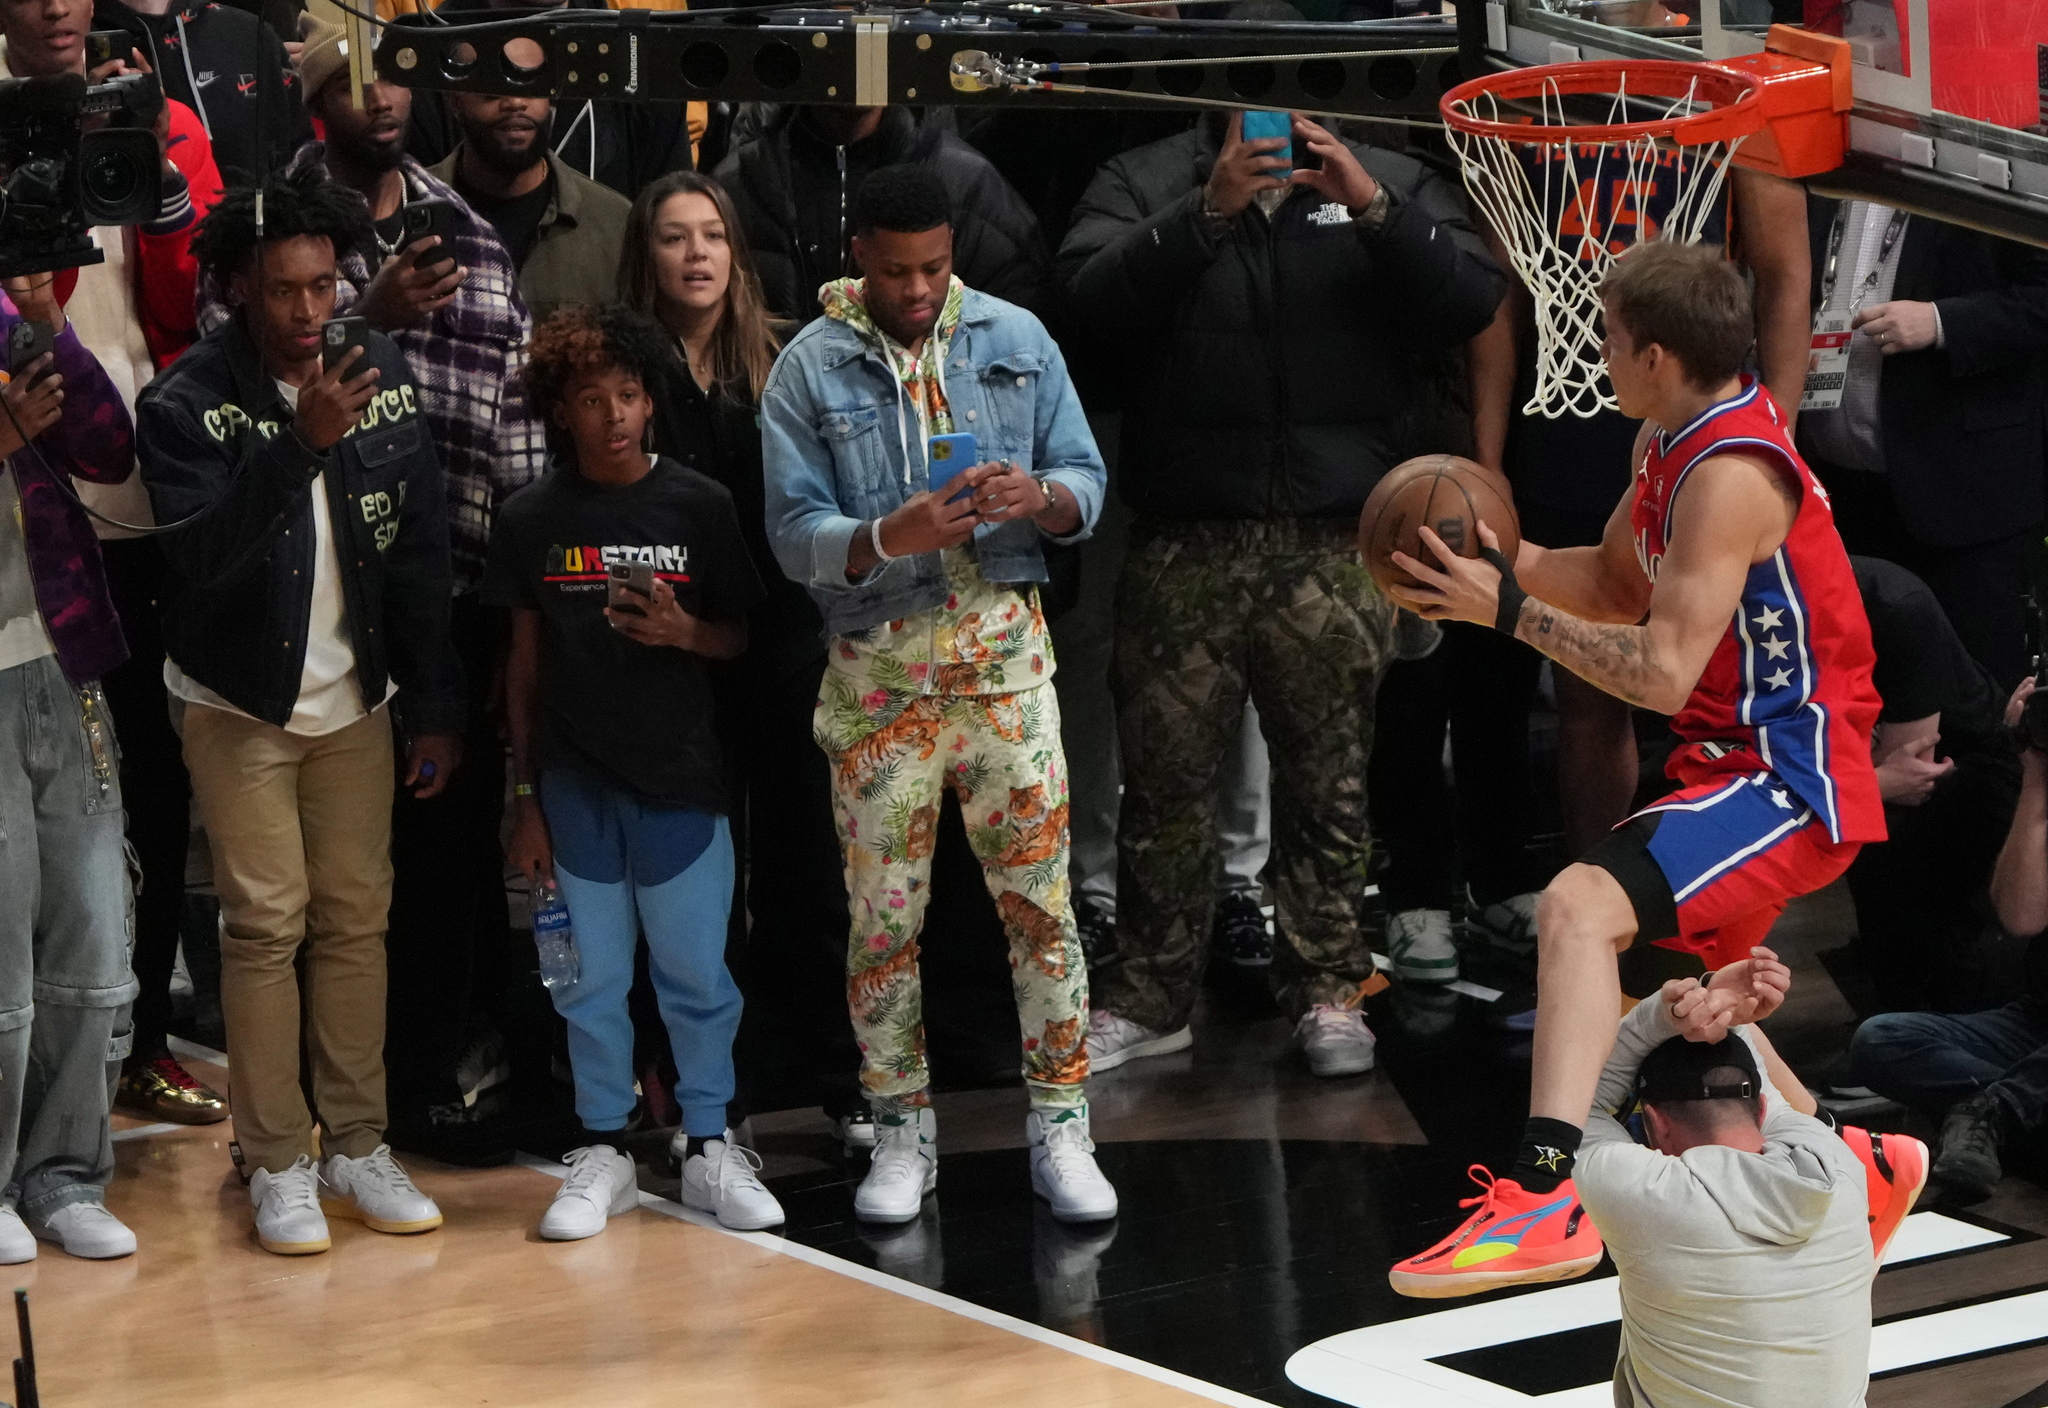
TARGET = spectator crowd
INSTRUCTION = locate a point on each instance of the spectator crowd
(619, 559)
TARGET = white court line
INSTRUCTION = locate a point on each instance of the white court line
(1389, 1365)
(146, 1131)
(911, 1290)
(181, 1047)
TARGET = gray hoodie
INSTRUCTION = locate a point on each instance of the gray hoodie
(1745, 1278)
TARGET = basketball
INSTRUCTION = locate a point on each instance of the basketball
(1450, 495)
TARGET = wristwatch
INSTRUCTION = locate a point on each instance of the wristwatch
(1374, 216)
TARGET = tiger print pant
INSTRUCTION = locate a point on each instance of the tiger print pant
(1000, 754)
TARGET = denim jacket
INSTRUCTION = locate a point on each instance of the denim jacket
(840, 447)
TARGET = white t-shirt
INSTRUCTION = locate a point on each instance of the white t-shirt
(330, 698)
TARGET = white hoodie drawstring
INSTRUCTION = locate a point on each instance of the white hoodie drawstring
(185, 53)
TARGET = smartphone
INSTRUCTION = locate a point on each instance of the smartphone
(340, 334)
(430, 217)
(105, 45)
(27, 341)
(1260, 125)
(629, 587)
(946, 457)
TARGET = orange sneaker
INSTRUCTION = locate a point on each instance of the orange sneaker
(1894, 1171)
(1517, 1238)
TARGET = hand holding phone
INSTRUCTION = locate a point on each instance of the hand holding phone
(946, 458)
(27, 343)
(425, 219)
(1245, 166)
(333, 401)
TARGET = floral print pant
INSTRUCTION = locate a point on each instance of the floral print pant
(1000, 754)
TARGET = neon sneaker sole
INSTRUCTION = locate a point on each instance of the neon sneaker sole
(1895, 1169)
(1515, 1238)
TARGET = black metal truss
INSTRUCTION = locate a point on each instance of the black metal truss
(886, 56)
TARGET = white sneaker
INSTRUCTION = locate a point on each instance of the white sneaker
(288, 1219)
(375, 1190)
(88, 1230)
(1063, 1170)
(602, 1183)
(1335, 1039)
(724, 1180)
(1419, 941)
(904, 1170)
(17, 1243)
(857, 1131)
(1113, 1041)
(1511, 924)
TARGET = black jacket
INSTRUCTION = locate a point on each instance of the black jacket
(231, 69)
(794, 191)
(1961, 424)
(1280, 369)
(215, 440)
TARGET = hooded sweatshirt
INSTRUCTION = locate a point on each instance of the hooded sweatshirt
(1745, 1278)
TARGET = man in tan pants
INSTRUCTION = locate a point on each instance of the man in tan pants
(306, 604)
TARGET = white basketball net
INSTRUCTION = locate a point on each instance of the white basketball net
(1561, 242)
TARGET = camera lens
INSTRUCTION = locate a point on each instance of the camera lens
(111, 178)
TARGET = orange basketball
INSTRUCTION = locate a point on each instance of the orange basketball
(1450, 495)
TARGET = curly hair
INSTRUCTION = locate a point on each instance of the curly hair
(583, 338)
(304, 200)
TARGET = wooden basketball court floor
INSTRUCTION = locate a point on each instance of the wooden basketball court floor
(1261, 1208)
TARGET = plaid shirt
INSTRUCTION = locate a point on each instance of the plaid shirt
(467, 362)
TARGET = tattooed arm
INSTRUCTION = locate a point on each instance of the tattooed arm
(1734, 513)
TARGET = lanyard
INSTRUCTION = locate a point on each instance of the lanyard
(1892, 231)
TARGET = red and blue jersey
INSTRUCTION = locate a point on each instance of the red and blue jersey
(1788, 688)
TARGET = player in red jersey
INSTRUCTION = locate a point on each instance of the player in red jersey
(1721, 595)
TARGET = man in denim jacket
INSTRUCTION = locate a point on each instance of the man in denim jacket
(938, 654)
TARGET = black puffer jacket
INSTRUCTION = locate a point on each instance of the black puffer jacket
(1279, 370)
(997, 247)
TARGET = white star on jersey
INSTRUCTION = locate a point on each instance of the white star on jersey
(1779, 680)
(1779, 797)
(1770, 618)
(1775, 648)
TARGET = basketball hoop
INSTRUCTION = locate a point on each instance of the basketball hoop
(1575, 164)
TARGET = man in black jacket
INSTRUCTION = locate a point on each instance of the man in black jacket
(1288, 337)
(794, 186)
(1931, 445)
(308, 585)
(226, 65)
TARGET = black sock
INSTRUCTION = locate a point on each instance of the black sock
(607, 1138)
(1549, 1150)
(696, 1143)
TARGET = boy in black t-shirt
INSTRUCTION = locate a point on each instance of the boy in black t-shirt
(617, 772)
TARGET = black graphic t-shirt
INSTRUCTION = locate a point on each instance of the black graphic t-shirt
(635, 716)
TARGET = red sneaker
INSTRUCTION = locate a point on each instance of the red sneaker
(1894, 1172)
(1517, 1238)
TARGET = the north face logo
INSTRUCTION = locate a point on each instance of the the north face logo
(1331, 214)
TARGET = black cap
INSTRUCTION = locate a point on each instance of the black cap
(1678, 1070)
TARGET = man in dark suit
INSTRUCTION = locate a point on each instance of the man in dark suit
(1932, 447)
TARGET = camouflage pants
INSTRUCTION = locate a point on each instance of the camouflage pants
(1208, 613)
(1001, 756)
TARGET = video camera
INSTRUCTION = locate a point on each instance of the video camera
(58, 180)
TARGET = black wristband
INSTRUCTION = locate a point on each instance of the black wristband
(1511, 594)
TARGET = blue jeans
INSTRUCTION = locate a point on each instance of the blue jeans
(628, 867)
(63, 937)
(1930, 1061)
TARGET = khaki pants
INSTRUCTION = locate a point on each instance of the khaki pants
(300, 830)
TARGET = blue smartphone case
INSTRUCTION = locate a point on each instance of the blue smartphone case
(947, 456)
(1259, 125)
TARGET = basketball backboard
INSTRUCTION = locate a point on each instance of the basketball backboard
(1948, 119)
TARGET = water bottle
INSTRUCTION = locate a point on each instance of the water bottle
(554, 937)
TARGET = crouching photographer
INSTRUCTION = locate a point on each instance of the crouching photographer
(1985, 1074)
(63, 945)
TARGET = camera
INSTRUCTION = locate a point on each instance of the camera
(58, 180)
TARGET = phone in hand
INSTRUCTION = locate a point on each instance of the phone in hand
(26, 341)
(1260, 125)
(945, 457)
(103, 46)
(340, 334)
(430, 217)
(629, 587)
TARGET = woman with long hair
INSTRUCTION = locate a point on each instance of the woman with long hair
(686, 263)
